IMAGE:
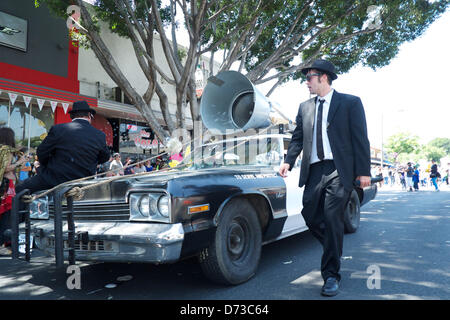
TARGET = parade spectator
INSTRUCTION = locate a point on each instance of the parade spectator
(402, 179)
(8, 179)
(416, 178)
(69, 151)
(25, 171)
(128, 168)
(158, 164)
(380, 175)
(148, 166)
(409, 177)
(36, 165)
(139, 168)
(434, 174)
(386, 175)
(392, 176)
(116, 166)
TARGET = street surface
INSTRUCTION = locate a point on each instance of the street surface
(401, 251)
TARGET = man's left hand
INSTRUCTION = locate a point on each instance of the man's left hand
(364, 181)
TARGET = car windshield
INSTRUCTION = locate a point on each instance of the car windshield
(248, 152)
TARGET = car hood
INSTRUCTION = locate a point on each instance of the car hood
(107, 190)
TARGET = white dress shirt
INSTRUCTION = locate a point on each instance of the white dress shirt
(326, 143)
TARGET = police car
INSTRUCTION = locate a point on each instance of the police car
(222, 204)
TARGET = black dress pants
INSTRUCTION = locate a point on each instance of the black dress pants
(324, 203)
(35, 183)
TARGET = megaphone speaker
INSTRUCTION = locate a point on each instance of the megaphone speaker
(230, 102)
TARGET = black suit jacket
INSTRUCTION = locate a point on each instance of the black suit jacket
(347, 133)
(71, 151)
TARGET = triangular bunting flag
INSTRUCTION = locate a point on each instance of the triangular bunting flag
(12, 97)
(40, 103)
(27, 100)
(65, 106)
(53, 104)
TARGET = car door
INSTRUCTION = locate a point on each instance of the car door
(294, 222)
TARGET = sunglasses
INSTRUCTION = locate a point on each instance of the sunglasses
(310, 75)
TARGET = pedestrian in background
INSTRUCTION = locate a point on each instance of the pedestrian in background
(434, 174)
(392, 176)
(416, 178)
(380, 175)
(386, 175)
(402, 179)
(116, 166)
(128, 167)
(409, 177)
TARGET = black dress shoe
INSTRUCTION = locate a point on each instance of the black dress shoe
(330, 288)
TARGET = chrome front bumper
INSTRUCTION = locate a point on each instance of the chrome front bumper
(115, 241)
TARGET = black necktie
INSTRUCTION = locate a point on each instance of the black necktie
(320, 152)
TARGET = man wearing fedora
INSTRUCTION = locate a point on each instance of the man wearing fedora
(70, 151)
(332, 133)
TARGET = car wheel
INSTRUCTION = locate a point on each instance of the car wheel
(234, 254)
(352, 213)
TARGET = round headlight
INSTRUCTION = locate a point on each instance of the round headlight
(163, 206)
(144, 205)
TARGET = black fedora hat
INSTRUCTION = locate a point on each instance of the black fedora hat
(81, 106)
(322, 65)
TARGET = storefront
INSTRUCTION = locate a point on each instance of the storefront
(31, 110)
(31, 116)
(39, 70)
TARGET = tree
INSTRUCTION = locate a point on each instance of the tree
(443, 143)
(406, 148)
(402, 143)
(431, 152)
(270, 39)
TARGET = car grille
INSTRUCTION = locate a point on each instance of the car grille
(96, 212)
(105, 246)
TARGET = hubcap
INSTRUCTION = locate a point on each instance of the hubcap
(236, 239)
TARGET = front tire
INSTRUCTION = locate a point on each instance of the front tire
(233, 256)
(352, 213)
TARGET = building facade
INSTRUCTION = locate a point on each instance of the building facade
(42, 73)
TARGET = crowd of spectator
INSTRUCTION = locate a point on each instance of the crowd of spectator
(412, 177)
(115, 166)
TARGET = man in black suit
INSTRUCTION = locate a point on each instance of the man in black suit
(331, 131)
(70, 151)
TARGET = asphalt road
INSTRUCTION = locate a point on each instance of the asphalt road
(401, 251)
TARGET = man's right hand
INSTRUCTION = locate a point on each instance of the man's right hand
(284, 168)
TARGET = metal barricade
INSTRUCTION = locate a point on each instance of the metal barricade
(15, 220)
(17, 208)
